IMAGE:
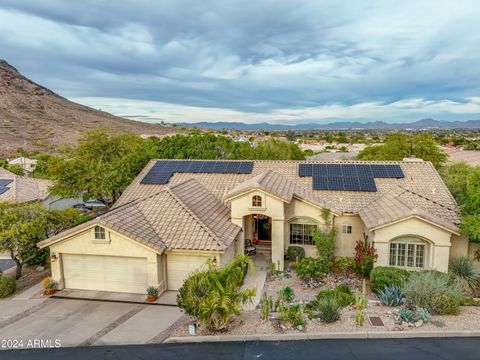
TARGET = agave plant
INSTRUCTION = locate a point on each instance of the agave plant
(152, 291)
(391, 296)
(463, 269)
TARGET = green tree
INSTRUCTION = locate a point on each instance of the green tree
(101, 166)
(216, 147)
(463, 181)
(400, 145)
(22, 226)
(13, 168)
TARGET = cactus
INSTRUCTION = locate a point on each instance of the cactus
(266, 305)
(360, 304)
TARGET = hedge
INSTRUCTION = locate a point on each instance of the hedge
(387, 276)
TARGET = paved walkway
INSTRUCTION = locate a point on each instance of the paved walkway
(257, 279)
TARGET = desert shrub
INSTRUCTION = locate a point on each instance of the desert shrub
(8, 285)
(342, 296)
(463, 270)
(35, 256)
(343, 263)
(365, 256)
(49, 283)
(471, 302)
(437, 292)
(213, 296)
(329, 310)
(412, 314)
(287, 294)
(311, 268)
(292, 315)
(284, 297)
(295, 253)
(391, 295)
(382, 276)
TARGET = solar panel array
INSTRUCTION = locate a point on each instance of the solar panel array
(348, 177)
(3, 185)
(162, 170)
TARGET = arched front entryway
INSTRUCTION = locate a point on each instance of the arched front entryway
(258, 232)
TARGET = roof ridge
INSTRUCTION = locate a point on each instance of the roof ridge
(150, 225)
(427, 198)
(197, 219)
(382, 196)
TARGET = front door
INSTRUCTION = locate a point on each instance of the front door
(262, 228)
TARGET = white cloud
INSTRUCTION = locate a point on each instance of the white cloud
(403, 110)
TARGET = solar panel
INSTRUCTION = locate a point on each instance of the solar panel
(305, 170)
(3, 189)
(5, 182)
(162, 170)
(348, 177)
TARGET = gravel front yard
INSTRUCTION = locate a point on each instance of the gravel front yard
(250, 323)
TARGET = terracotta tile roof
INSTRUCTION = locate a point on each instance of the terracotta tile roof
(399, 204)
(276, 184)
(183, 216)
(23, 189)
(421, 179)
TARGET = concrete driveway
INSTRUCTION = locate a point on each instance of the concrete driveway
(83, 322)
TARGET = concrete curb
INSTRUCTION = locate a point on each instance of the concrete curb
(326, 335)
(110, 300)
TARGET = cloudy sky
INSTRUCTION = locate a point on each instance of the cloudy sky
(252, 61)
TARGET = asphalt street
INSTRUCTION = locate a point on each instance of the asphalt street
(391, 349)
(6, 264)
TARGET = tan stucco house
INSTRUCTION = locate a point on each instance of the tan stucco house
(179, 215)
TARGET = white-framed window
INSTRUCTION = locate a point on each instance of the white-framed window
(408, 253)
(256, 201)
(347, 227)
(99, 233)
(302, 230)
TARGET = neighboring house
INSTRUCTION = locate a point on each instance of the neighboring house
(178, 215)
(26, 164)
(24, 189)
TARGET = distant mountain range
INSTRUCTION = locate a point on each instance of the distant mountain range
(377, 125)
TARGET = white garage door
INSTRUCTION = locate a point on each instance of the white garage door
(179, 267)
(105, 273)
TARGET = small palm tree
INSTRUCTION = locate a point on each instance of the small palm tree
(214, 295)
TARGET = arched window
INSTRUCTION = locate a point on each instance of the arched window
(347, 227)
(408, 253)
(302, 230)
(256, 201)
(99, 233)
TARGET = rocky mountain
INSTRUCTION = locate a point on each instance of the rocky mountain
(35, 118)
(377, 125)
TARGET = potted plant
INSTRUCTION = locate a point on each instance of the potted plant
(49, 286)
(152, 293)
